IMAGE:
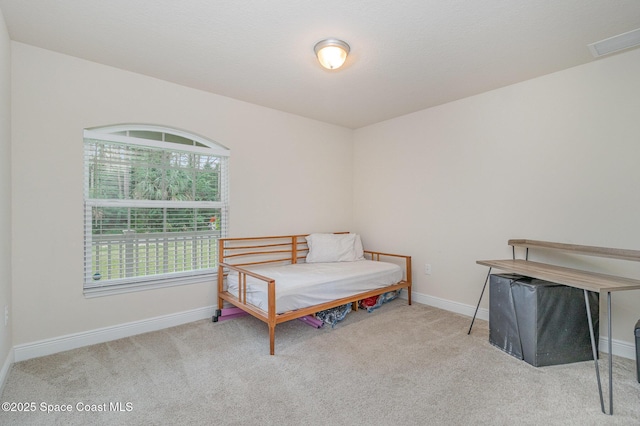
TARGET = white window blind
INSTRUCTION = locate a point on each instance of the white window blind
(155, 202)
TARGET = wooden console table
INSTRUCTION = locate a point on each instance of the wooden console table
(587, 281)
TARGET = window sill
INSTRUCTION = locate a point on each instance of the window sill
(148, 285)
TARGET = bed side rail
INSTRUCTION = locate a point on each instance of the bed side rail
(376, 255)
(242, 290)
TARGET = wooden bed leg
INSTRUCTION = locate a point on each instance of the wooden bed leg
(409, 294)
(272, 339)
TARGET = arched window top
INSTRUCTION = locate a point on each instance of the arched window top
(160, 134)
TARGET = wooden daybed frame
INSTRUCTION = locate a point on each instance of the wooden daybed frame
(237, 253)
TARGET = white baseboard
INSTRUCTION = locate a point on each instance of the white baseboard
(618, 347)
(448, 305)
(6, 367)
(101, 335)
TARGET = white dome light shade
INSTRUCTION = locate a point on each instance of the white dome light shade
(331, 53)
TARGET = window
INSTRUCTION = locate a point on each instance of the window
(155, 204)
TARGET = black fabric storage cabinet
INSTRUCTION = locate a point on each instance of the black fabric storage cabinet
(637, 332)
(540, 322)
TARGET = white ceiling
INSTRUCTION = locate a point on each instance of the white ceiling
(406, 55)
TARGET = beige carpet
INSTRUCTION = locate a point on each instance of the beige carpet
(400, 365)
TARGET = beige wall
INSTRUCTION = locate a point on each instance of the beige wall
(554, 158)
(5, 189)
(551, 158)
(288, 175)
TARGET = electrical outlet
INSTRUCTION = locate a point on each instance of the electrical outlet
(427, 268)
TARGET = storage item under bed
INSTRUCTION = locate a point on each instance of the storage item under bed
(307, 284)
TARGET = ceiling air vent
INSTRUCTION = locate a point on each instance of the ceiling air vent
(615, 43)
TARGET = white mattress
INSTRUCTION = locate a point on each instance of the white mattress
(306, 284)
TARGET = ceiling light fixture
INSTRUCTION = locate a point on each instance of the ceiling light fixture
(331, 53)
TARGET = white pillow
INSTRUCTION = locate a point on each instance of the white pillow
(331, 248)
(359, 248)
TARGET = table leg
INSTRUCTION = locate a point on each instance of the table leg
(610, 354)
(594, 348)
(480, 299)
